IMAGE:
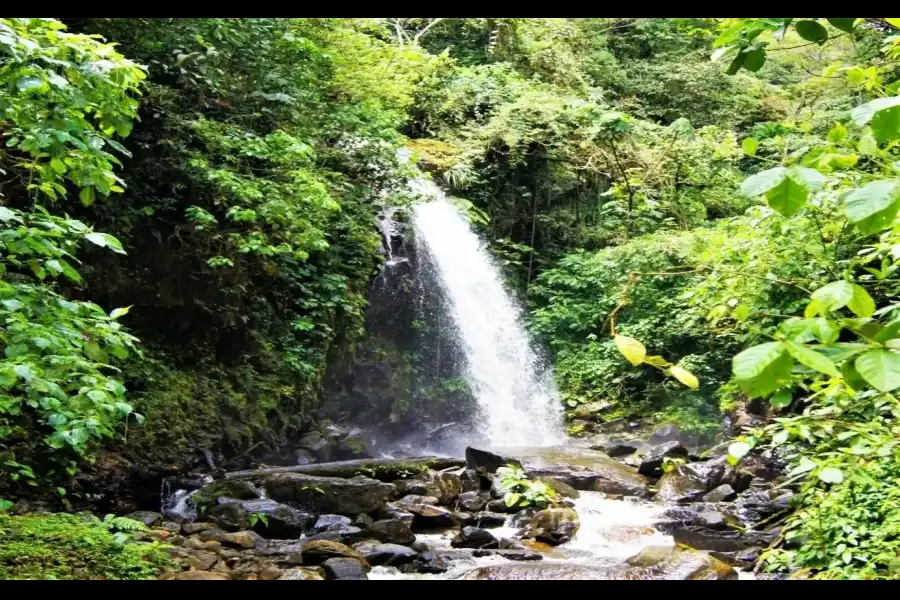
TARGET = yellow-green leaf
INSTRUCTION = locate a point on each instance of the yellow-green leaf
(811, 359)
(631, 349)
(685, 377)
(657, 361)
(749, 146)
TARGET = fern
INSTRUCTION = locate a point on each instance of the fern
(114, 523)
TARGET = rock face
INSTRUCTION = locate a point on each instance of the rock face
(329, 494)
(553, 526)
(579, 468)
(472, 537)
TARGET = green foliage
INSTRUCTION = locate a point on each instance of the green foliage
(61, 546)
(521, 492)
(63, 96)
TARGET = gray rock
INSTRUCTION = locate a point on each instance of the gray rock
(471, 501)
(324, 522)
(499, 506)
(329, 494)
(651, 463)
(473, 537)
(344, 569)
(230, 516)
(346, 534)
(487, 520)
(281, 521)
(523, 517)
(148, 518)
(680, 485)
(553, 526)
(701, 538)
(723, 493)
(302, 573)
(616, 448)
(426, 514)
(390, 554)
(394, 531)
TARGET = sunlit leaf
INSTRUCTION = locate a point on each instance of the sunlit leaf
(633, 350)
(684, 376)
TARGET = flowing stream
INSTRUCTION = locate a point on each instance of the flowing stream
(517, 400)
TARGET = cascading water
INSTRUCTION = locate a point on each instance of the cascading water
(517, 400)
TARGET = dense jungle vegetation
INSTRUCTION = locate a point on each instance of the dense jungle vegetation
(188, 238)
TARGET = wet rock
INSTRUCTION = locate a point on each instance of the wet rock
(392, 512)
(241, 539)
(148, 518)
(487, 520)
(590, 411)
(346, 534)
(742, 559)
(192, 528)
(471, 501)
(316, 444)
(202, 576)
(616, 448)
(614, 426)
(236, 489)
(580, 468)
(510, 544)
(324, 522)
(329, 494)
(363, 520)
(680, 485)
(351, 445)
(280, 521)
(668, 432)
(407, 487)
(473, 537)
(723, 493)
(390, 554)
(522, 518)
(668, 563)
(303, 457)
(270, 573)
(701, 538)
(751, 507)
(553, 526)
(318, 551)
(393, 531)
(230, 516)
(446, 487)
(302, 573)
(426, 513)
(560, 487)
(344, 569)
(651, 463)
(499, 506)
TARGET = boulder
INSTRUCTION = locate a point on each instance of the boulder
(582, 469)
(202, 576)
(486, 519)
(148, 518)
(473, 537)
(426, 513)
(560, 487)
(702, 538)
(668, 563)
(390, 555)
(500, 506)
(303, 573)
(324, 522)
(471, 501)
(230, 516)
(237, 489)
(723, 493)
(652, 461)
(279, 521)
(391, 512)
(616, 448)
(317, 445)
(590, 411)
(240, 539)
(523, 517)
(446, 487)
(345, 534)
(344, 568)
(318, 551)
(394, 531)
(680, 485)
(553, 526)
(329, 494)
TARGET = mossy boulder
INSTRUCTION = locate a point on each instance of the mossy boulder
(320, 495)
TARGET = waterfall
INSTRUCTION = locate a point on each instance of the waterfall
(517, 400)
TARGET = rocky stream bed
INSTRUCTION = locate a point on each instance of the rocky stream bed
(622, 516)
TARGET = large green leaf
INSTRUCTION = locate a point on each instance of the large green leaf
(880, 368)
(812, 359)
(787, 197)
(883, 115)
(762, 369)
(762, 182)
(872, 208)
(842, 24)
(755, 60)
(834, 295)
(861, 303)
(812, 31)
